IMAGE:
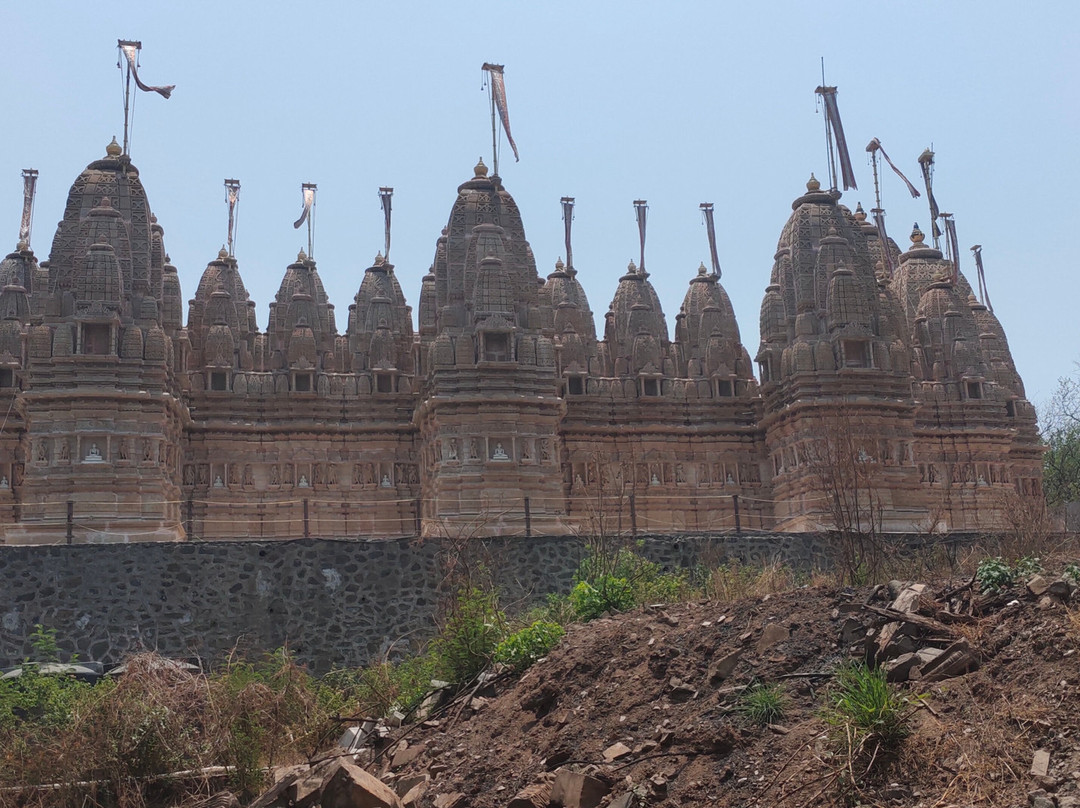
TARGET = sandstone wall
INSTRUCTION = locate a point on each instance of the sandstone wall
(333, 602)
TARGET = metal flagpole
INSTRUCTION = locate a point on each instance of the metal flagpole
(120, 43)
(494, 129)
(385, 195)
(232, 198)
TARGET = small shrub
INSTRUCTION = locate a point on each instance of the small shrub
(862, 701)
(763, 704)
(605, 593)
(994, 575)
(1029, 565)
(522, 648)
(472, 630)
(1072, 572)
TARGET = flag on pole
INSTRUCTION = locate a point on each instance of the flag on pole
(950, 232)
(875, 145)
(977, 250)
(30, 176)
(131, 50)
(232, 197)
(926, 163)
(568, 219)
(384, 196)
(707, 209)
(498, 89)
(832, 113)
(883, 237)
(641, 208)
(309, 200)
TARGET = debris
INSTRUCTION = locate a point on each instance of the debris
(349, 786)
(575, 790)
(773, 633)
(535, 796)
(724, 667)
(1040, 763)
(1037, 585)
(616, 751)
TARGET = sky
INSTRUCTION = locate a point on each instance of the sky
(676, 103)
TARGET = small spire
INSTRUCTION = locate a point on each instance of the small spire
(480, 170)
(812, 184)
(114, 149)
(701, 270)
(860, 214)
(379, 260)
(301, 257)
(917, 235)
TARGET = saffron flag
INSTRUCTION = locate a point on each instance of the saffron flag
(498, 89)
(309, 200)
(131, 50)
(832, 114)
(875, 145)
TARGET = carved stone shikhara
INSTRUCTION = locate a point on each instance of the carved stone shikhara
(504, 412)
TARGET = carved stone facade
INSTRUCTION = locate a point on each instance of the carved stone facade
(504, 413)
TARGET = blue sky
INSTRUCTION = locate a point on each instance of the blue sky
(679, 103)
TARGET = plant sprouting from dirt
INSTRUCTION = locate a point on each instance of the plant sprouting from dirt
(763, 703)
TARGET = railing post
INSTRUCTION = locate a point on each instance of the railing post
(190, 518)
(738, 524)
(528, 519)
(633, 516)
(70, 521)
(307, 524)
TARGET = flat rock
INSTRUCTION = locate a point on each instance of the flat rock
(773, 633)
(406, 755)
(724, 667)
(575, 790)
(349, 786)
(454, 799)
(1037, 585)
(535, 796)
(1040, 763)
(616, 751)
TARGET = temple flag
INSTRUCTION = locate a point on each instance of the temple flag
(875, 145)
(641, 209)
(926, 163)
(832, 114)
(385, 195)
(568, 220)
(309, 200)
(879, 220)
(29, 184)
(707, 209)
(498, 88)
(977, 250)
(950, 232)
(131, 50)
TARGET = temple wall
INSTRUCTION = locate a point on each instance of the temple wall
(333, 602)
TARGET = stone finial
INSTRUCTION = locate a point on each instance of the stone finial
(480, 170)
(812, 184)
(917, 235)
(860, 214)
(701, 270)
(113, 149)
(222, 253)
(379, 259)
(631, 268)
(301, 257)
(559, 265)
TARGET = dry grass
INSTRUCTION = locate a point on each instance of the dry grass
(124, 738)
(734, 581)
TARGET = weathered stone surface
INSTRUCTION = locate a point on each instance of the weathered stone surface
(349, 786)
(406, 754)
(724, 667)
(1040, 763)
(535, 796)
(772, 634)
(616, 751)
(575, 790)
(1037, 585)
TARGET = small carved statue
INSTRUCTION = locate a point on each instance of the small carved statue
(500, 452)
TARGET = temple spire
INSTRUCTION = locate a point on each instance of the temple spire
(232, 199)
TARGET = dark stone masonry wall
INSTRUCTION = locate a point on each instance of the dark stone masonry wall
(334, 602)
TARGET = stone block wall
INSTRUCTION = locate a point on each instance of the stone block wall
(333, 602)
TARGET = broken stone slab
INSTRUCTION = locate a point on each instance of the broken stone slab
(406, 754)
(1040, 763)
(538, 795)
(349, 786)
(575, 790)
(680, 691)
(407, 783)
(724, 667)
(1037, 585)
(454, 799)
(899, 669)
(627, 800)
(771, 635)
(955, 660)
(615, 751)
(908, 600)
(851, 631)
(412, 797)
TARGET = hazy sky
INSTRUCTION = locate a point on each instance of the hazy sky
(677, 103)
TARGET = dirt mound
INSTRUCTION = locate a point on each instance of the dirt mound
(645, 708)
